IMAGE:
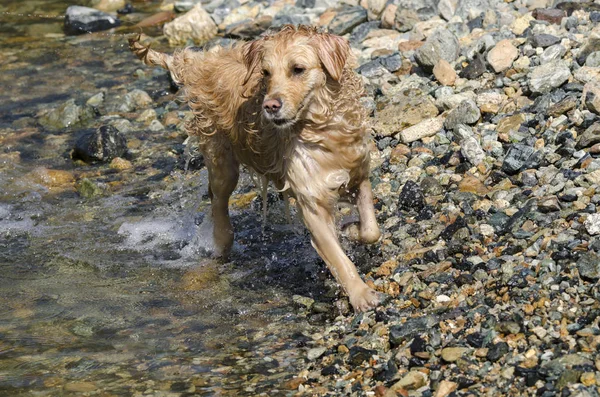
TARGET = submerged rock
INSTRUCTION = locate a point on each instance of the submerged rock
(101, 145)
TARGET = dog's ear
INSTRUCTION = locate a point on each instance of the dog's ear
(253, 53)
(333, 52)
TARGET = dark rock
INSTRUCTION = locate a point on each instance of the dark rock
(329, 370)
(101, 145)
(516, 158)
(79, 20)
(464, 279)
(290, 16)
(551, 15)
(392, 63)
(411, 197)
(595, 16)
(497, 351)
(372, 69)
(418, 345)
(359, 354)
(305, 3)
(347, 20)
(568, 377)
(431, 186)
(411, 328)
(475, 23)
(589, 266)
(442, 44)
(449, 231)
(563, 106)
(474, 69)
(592, 45)
(544, 40)
(475, 340)
(360, 32)
(570, 6)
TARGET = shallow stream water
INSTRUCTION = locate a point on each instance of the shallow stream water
(115, 294)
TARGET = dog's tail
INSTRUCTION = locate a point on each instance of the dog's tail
(148, 56)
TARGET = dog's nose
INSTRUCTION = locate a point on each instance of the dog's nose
(272, 105)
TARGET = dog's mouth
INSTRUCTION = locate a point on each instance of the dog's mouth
(283, 122)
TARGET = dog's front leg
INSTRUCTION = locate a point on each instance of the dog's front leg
(319, 221)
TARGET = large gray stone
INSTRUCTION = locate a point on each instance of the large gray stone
(442, 44)
(347, 20)
(79, 20)
(546, 77)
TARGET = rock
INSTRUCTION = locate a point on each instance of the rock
(303, 301)
(358, 355)
(447, 8)
(79, 20)
(552, 53)
(421, 130)
(108, 5)
(442, 44)
(563, 106)
(347, 20)
(445, 388)
(375, 8)
(88, 189)
(249, 29)
(551, 15)
(120, 164)
(521, 24)
(135, 99)
(544, 78)
(465, 113)
(544, 40)
(405, 19)
(431, 186)
(411, 197)
(593, 60)
(474, 69)
(590, 136)
(591, 45)
(497, 351)
(588, 263)
(592, 224)
(52, 178)
(101, 145)
(69, 114)
(315, 353)
(591, 96)
(516, 158)
(411, 381)
(444, 72)
(469, 146)
(410, 111)
(569, 376)
(510, 124)
(502, 55)
(80, 387)
(388, 16)
(452, 354)
(549, 204)
(195, 25)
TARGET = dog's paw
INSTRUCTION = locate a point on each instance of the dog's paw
(364, 299)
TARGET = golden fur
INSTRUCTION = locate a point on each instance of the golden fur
(314, 146)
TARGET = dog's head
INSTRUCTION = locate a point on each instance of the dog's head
(295, 63)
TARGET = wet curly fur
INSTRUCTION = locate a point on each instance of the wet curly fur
(287, 107)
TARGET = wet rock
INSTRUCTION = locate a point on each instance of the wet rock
(444, 72)
(544, 78)
(516, 158)
(502, 55)
(442, 44)
(88, 189)
(52, 178)
(588, 265)
(590, 136)
(120, 164)
(552, 15)
(135, 99)
(248, 29)
(347, 20)
(195, 25)
(69, 114)
(544, 40)
(101, 145)
(411, 328)
(397, 117)
(411, 197)
(80, 20)
(358, 355)
(465, 113)
(497, 351)
(108, 5)
(80, 387)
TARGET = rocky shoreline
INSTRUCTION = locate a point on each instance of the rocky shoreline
(486, 176)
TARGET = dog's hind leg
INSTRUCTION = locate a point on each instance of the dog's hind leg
(369, 230)
(223, 173)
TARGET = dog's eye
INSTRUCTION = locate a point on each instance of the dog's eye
(266, 73)
(298, 70)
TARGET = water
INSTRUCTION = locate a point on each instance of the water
(117, 294)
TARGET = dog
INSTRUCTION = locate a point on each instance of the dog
(286, 106)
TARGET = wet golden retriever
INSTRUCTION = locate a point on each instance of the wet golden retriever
(287, 107)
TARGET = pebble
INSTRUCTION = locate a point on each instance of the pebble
(195, 25)
(442, 44)
(411, 381)
(347, 20)
(444, 73)
(101, 145)
(452, 354)
(545, 77)
(502, 55)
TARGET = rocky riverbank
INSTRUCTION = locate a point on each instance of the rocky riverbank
(486, 175)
